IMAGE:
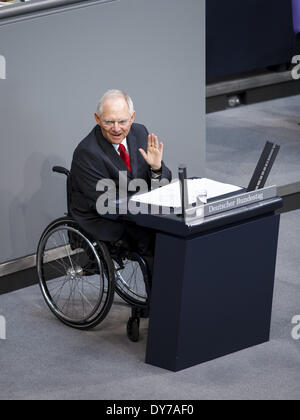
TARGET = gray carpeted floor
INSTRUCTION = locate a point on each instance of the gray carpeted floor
(42, 359)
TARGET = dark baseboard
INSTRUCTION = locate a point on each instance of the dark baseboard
(17, 281)
(291, 197)
(255, 95)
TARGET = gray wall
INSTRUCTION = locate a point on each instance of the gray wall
(59, 64)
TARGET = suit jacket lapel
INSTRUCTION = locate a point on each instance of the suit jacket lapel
(133, 153)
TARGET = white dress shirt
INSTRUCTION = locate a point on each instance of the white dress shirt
(124, 142)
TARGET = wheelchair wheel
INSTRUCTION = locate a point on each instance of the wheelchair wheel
(76, 275)
(132, 280)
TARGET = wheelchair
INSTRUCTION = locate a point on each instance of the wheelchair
(79, 275)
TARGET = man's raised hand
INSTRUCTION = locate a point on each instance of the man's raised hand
(154, 152)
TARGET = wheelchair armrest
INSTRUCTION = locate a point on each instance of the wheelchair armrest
(61, 170)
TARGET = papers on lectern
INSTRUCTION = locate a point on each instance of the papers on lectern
(170, 195)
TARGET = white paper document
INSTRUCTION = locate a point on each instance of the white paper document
(170, 195)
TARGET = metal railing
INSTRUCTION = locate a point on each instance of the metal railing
(34, 6)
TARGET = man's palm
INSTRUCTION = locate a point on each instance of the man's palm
(154, 152)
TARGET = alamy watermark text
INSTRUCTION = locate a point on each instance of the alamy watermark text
(2, 328)
(114, 197)
(296, 329)
(2, 67)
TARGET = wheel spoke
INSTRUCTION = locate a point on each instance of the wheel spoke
(72, 277)
(64, 240)
(59, 260)
(130, 282)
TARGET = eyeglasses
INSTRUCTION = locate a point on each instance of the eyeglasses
(121, 123)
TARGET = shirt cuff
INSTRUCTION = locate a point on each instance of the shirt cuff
(155, 174)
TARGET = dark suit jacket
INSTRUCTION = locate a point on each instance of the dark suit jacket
(94, 159)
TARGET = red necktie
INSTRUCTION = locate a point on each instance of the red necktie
(125, 156)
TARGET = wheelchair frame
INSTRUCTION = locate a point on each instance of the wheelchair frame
(79, 275)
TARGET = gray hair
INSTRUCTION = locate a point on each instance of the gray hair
(115, 94)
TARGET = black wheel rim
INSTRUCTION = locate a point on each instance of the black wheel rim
(72, 276)
(130, 281)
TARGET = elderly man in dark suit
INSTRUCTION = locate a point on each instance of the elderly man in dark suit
(116, 144)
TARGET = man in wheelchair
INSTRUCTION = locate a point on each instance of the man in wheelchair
(84, 257)
(115, 144)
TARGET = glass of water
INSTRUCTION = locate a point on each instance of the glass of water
(202, 197)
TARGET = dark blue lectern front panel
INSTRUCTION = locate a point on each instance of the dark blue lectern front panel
(212, 294)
